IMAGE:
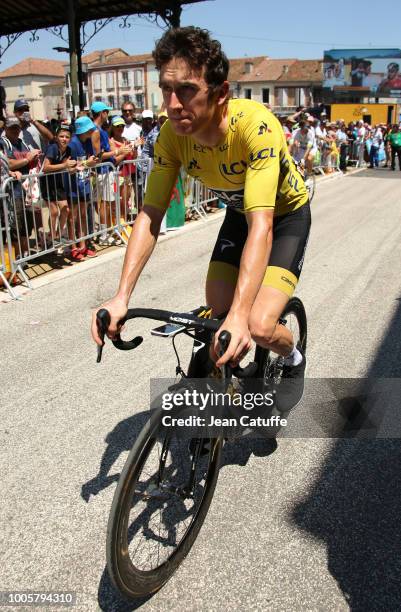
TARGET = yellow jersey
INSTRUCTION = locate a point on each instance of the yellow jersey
(251, 169)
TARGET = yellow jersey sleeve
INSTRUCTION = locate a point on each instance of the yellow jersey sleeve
(262, 143)
(164, 174)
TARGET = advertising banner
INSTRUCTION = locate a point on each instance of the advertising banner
(375, 71)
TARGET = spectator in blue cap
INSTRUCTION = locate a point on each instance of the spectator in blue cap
(78, 185)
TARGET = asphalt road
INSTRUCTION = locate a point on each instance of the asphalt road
(314, 525)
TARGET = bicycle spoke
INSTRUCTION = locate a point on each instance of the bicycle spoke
(161, 514)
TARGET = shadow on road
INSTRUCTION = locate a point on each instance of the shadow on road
(354, 505)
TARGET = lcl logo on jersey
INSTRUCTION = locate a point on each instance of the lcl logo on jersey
(160, 161)
(267, 153)
(232, 172)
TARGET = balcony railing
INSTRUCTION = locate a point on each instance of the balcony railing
(285, 110)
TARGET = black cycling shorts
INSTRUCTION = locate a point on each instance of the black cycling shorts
(290, 237)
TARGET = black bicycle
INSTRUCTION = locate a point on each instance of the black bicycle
(167, 483)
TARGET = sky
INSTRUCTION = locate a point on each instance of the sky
(278, 29)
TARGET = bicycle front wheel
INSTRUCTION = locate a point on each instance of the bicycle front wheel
(160, 503)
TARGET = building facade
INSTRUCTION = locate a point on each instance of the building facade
(53, 100)
(94, 58)
(26, 79)
(282, 84)
(118, 80)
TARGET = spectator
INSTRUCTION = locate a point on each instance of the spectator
(34, 134)
(104, 177)
(377, 139)
(151, 138)
(322, 141)
(386, 129)
(22, 159)
(311, 122)
(6, 173)
(57, 159)
(124, 151)
(342, 145)
(394, 140)
(78, 186)
(132, 130)
(360, 141)
(302, 145)
(147, 122)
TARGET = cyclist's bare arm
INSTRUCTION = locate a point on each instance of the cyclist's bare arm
(140, 247)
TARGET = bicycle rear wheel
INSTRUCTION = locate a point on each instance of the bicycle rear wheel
(161, 501)
(294, 317)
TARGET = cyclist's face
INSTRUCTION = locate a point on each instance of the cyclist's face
(186, 97)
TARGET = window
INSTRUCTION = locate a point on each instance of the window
(97, 82)
(138, 78)
(248, 93)
(282, 96)
(110, 80)
(125, 80)
(98, 99)
(21, 89)
(67, 81)
(248, 67)
(139, 100)
(111, 102)
(126, 98)
(265, 96)
(153, 75)
(68, 101)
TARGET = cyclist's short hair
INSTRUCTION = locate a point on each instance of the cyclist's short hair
(198, 49)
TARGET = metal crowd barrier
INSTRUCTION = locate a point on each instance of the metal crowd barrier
(5, 263)
(197, 197)
(131, 177)
(99, 203)
(31, 215)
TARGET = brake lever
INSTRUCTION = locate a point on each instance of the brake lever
(224, 341)
(103, 321)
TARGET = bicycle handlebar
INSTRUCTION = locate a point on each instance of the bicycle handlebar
(186, 319)
(189, 320)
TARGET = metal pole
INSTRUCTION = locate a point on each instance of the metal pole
(176, 11)
(80, 74)
(74, 45)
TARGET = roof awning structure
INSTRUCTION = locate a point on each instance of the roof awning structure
(26, 15)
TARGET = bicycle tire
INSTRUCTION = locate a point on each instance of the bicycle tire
(295, 307)
(131, 581)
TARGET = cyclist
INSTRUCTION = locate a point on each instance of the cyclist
(238, 149)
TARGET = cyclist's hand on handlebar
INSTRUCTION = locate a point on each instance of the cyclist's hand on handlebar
(117, 309)
(240, 341)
